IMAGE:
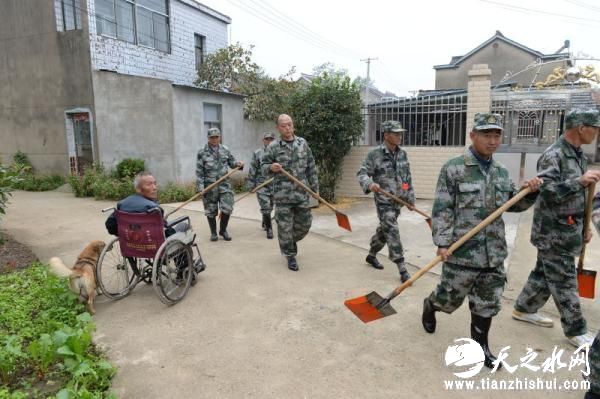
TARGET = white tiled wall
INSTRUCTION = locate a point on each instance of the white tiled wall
(178, 66)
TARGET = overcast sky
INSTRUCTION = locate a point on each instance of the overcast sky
(407, 37)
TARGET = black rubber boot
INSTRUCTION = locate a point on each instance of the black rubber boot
(212, 222)
(480, 327)
(223, 228)
(268, 225)
(591, 395)
(372, 260)
(404, 274)
(292, 264)
(428, 317)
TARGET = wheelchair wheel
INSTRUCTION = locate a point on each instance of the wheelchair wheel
(172, 272)
(115, 273)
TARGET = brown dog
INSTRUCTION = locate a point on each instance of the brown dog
(82, 277)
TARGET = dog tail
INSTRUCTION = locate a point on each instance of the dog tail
(59, 268)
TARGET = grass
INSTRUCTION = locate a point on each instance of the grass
(46, 347)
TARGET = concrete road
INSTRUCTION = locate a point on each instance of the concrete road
(252, 329)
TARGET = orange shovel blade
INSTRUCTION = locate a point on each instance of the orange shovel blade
(343, 221)
(586, 282)
(365, 307)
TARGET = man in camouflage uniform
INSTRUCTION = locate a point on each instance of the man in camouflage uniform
(557, 229)
(470, 187)
(387, 168)
(255, 178)
(212, 163)
(292, 211)
(594, 354)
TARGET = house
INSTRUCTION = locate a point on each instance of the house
(96, 81)
(501, 54)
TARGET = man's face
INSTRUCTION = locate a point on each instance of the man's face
(392, 139)
(588, 133)
(285, 126)
(267, 141)
(486, 142)
(148, 187)
(214, 141)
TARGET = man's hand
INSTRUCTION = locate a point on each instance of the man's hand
(587, 237)
(443, 252)
(411, 207)
(375, 187)
(534, 184)
(240, 164)
(591, 176)
(276, 167)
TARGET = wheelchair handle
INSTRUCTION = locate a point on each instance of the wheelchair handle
(107, 209)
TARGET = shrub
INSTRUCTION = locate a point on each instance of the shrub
(129, 167)
(21, 158)
(9, 177)
(176, 192)
(31, 182)
(82, 185)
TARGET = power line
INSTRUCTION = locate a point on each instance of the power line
(531, 11)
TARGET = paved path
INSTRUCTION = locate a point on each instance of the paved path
(253, 329)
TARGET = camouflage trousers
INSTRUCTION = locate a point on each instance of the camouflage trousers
(293, 223)
(594, 361)
(265, 201)
(218, 198)
(387, 233)
(554, 274)
(484, 286)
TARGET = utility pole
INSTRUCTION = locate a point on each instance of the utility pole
(368, 61)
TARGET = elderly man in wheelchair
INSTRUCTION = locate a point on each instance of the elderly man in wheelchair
(148, 247)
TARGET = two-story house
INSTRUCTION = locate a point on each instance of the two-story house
(85, 81)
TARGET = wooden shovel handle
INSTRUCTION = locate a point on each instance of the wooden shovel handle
(207, 189)
(483, 224)
(589, 204)
(255, 189)
(305, 187)
(401, 201)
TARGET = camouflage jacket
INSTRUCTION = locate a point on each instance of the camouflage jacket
(465, 195)
(211, 165)
(256, 175)
(558, 216)
(296, 158)
(390, 171)
(596, 212)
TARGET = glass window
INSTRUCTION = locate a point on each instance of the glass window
(145, 30)
(106, 23)
(125, 26)
(199, 43)
(154, 5)
(161, 32)
(212, 116)
(71, 14)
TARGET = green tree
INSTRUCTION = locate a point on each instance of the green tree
(232, 70)
(328, 114)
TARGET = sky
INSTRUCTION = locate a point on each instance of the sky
(407, 37)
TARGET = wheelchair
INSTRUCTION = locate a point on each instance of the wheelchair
(142, 252)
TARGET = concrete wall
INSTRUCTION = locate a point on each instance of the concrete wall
(43, 73)
(241, 136)
(134, 119)
(178, 66)
(500, 57)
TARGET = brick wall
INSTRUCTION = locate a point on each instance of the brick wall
(425, 165)
(178, 66)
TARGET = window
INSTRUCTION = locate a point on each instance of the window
(212, 116)
(142, 22)
(71, 14)
(199, 43)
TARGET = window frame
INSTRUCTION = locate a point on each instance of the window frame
(210, 124)
(75, 14)
(202, 50)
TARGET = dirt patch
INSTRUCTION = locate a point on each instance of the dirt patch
(341, 204)
(13, 254)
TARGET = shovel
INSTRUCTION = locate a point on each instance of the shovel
(207, 189)
(373, 306)
(586, 279)
(255, 189)
(401, 201)
(342, 219)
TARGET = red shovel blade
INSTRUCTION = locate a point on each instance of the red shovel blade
(586, 283)
(343, 221)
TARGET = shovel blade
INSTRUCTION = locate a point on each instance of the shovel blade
(343, 221)
(365, 307)
(586, 283)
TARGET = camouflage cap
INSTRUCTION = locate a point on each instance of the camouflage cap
(268, 135)
(392, 126)
(213, 132)
(587, 117)
(487, 121)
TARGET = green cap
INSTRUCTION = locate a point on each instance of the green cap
(586, 117)
(214, 132)
(392, 126)
(487, 121)
(268, 135)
